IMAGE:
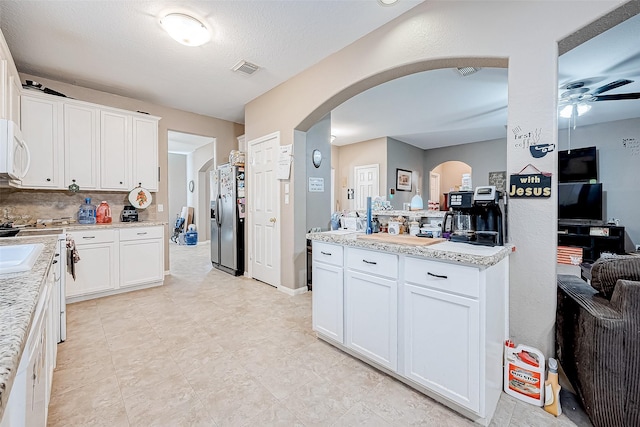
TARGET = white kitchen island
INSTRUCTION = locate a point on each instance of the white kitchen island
(435, 317)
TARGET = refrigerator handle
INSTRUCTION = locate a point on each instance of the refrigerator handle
(219, 213)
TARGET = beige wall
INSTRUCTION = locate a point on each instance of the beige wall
(363, 153)
(448, 34)
(451, 176)
(223, 131)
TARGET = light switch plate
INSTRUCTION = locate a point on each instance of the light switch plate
(286, 199)
(160, 207)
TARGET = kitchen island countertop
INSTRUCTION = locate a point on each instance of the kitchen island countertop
(19, 295)
(464, 253)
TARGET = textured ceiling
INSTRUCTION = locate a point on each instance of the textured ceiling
(119, 47)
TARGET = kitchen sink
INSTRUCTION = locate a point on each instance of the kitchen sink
(19, 258)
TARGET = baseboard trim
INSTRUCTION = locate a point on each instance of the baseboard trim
(292, 292)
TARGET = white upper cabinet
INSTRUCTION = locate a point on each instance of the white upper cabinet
(41, 128)
(98, 148)
(115, 151)
(145, 153)
(81, 145)
(9, 81)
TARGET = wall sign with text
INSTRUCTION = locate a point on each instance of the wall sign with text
(530, 185)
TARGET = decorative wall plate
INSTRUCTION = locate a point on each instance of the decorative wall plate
(140, 198)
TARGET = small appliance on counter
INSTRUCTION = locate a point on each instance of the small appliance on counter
(459, 222)
(140, 198)
(476, 217)
(490, 211)
(129, 214)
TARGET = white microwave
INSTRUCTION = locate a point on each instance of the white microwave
(14, 153)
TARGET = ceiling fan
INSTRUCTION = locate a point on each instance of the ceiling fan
(575, 98)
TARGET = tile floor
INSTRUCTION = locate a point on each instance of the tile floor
(208, 349)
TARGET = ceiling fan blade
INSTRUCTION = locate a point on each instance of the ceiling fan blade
(611, 86)
(634, 95)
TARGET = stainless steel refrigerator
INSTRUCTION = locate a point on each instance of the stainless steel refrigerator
(227, 218)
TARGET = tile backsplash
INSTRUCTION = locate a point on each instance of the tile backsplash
(26, 206)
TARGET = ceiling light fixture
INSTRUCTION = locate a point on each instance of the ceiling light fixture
(387, 2)
(568, 111)
(185, 29)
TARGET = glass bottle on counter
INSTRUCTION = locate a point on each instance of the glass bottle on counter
(87, 212)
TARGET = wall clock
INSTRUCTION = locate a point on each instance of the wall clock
(316, 158)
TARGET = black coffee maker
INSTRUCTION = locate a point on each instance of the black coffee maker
(489, 210)
(459, 223)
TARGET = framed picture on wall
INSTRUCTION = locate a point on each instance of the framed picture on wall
(403, 180)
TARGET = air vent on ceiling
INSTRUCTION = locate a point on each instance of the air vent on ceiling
(467, 71)
(245, 67)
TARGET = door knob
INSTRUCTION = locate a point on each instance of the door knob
(272, 220)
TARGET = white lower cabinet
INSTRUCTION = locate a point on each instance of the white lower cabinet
(328, 291)
(371, 306)
(31, 390)
(438, 326)
(441, 343)
(114, 260)
(141, 256)
(97, 270)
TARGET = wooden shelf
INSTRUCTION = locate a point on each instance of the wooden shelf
(579, 236)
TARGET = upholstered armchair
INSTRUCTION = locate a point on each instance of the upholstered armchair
(598, 339)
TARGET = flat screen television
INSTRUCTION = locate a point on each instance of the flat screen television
(578, 165)
(580, 201)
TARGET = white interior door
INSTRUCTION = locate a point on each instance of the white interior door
(434, 186)
(366, 184)
(264, 208)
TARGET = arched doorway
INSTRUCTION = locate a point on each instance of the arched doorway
(449, 177)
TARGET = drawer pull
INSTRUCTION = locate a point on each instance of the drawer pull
(55, 261)
(142, 233)
(325, 253)
(88, 237)
(369, 262)
(437, 275)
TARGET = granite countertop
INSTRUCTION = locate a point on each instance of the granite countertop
(81, 227)
(464, 253)
(420, 214)
(19, 294)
